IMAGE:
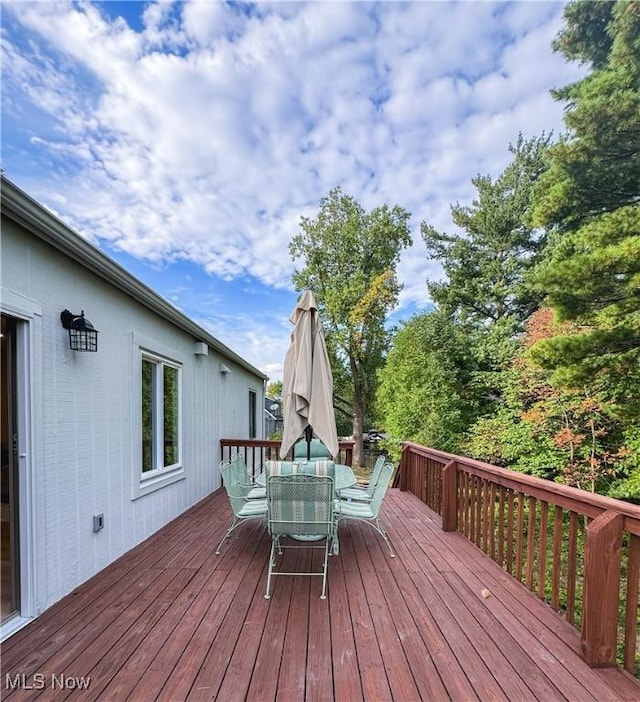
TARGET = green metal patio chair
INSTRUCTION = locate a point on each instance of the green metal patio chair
(243, 507)
(369, 511)
(364, 493)
(245, 480)
(317, 451)
(300, 505)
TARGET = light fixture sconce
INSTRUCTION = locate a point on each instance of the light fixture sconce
(224, 369)
(82, 334)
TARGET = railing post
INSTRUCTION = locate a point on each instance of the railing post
(450, 497)
(348, 456)
(404, 469)
(633, 585)
(601, 590)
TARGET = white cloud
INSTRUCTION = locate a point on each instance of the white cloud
(262, 340)
(209, 132)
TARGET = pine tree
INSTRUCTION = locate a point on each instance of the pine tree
(590, 196)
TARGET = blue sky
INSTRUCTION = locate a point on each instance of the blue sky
(186, 139)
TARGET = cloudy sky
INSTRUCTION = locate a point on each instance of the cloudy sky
(186, 139)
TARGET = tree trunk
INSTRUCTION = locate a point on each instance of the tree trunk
(358, 419)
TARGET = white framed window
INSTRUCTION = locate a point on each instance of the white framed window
(158, 440)
(161, 418)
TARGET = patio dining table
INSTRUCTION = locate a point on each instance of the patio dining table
(344, 477)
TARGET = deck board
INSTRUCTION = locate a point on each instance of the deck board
(172, 621)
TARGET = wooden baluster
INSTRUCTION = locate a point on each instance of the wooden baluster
(465, 505)
(433, 502)
(531, 542)
(479, 507)
(485, 516)
(572, 566)
(492, 522)
(472, 508)
(542, 550)
(480, 514)
(501, 535)
(557, 558)
(519, 536)
(426, 482)
(510, 533)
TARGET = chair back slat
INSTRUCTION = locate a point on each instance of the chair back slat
(299, 503)
(316, 450)
(375, 475)
(321, 467)
(241, 469)
(235, 491)
(380, 490)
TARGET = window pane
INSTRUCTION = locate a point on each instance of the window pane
(148, 432)
(170, 416)
(252, 415)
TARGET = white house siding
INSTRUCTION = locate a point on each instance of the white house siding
(85, 430)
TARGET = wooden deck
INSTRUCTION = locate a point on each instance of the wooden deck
(172, 621)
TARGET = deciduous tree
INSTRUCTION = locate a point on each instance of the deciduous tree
(349, 258)
(424, 394)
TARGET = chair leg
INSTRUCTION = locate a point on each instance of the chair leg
(323, 596)
(234, 524)
(377, 525)
(272, 558)
(383, 533)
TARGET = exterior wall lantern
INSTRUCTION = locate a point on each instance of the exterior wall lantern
(82, 335)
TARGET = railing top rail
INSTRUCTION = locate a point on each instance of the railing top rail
(344, 443)
(249, 442)
(577, 500)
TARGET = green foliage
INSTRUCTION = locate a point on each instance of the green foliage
(585, 36)
(274, 390)
(628, 487)
(506, 440)
(423, 388)
(593, 277)
(555, 431)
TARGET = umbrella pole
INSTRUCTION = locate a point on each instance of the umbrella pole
(308, 435)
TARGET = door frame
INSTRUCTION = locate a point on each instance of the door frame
(27, 313)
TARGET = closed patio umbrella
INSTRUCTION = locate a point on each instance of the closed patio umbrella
(308, 383)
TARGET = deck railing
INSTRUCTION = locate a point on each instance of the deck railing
(257, 451)
(578, 551)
